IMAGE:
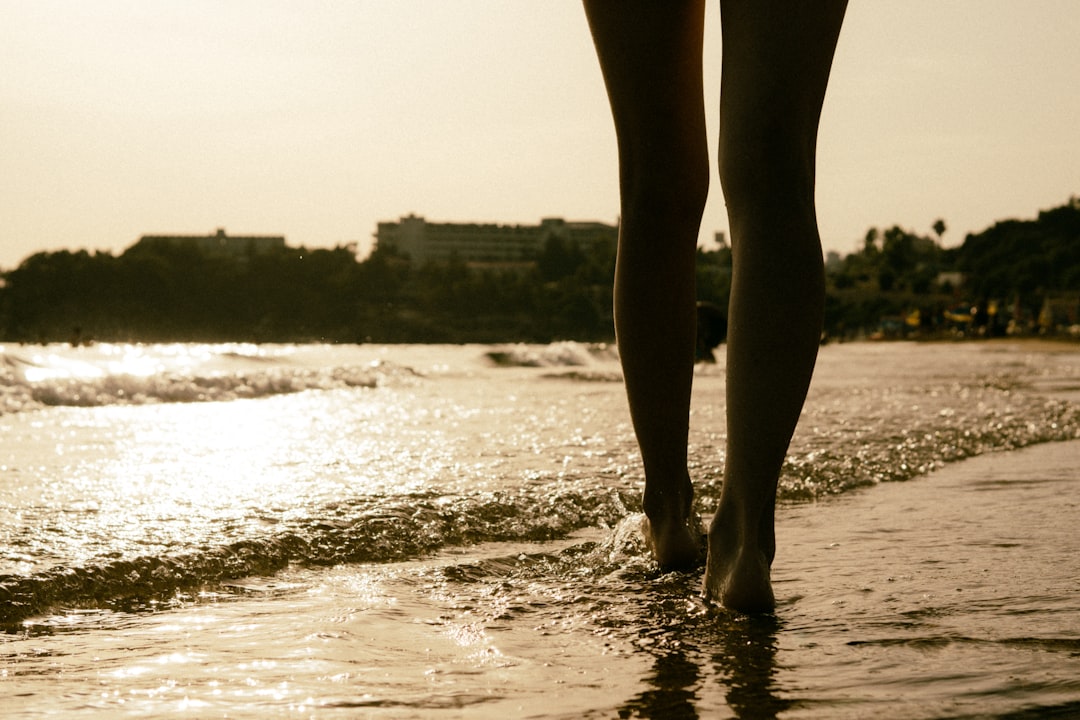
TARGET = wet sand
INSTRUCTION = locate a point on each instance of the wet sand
(952, 595)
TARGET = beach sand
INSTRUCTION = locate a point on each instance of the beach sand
(951, 595)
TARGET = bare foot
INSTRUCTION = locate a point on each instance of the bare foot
(676, 544)
(737, 578)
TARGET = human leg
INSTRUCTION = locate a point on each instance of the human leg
(776, 60)
(650, 56)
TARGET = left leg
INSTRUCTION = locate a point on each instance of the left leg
(650, 55)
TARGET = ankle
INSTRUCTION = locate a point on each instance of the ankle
(741, 531)
(672, 503)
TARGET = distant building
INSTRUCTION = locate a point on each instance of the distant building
(424, 241)
(219, 243)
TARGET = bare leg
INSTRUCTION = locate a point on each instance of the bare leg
(776, 60)
(650, 55)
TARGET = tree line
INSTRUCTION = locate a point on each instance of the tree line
(897, 283)
(1017, 277)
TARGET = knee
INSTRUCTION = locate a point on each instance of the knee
(665, 189)
(767, 174)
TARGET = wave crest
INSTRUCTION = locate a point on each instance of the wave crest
(30, 382)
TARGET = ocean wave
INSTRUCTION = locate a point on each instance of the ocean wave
(924, 431)
(30, 383)
(105, 374)
(345, 532)
(558, 354)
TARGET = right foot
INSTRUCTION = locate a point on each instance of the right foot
(737, 578)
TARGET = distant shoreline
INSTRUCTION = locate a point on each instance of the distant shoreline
(1036, 344)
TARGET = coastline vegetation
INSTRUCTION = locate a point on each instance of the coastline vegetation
(1018, 277)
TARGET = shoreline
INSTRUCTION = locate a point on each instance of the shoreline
(1033, 344)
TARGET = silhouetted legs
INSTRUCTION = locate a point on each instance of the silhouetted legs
(776, 60)
(650, 55)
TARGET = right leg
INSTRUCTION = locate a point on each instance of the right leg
(650, 55)
(776, 60)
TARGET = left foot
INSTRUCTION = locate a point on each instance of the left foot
(674, 542)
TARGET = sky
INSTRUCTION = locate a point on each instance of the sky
(317, 119)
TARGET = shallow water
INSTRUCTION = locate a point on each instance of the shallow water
(913, 600)
(459, 539)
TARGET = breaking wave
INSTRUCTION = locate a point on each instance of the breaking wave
(357, 531)
(131, 375)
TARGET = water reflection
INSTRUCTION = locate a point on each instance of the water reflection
(745, 658)
(673, 691)
(707, 661)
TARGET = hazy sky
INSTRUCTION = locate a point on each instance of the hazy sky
(315, 120)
